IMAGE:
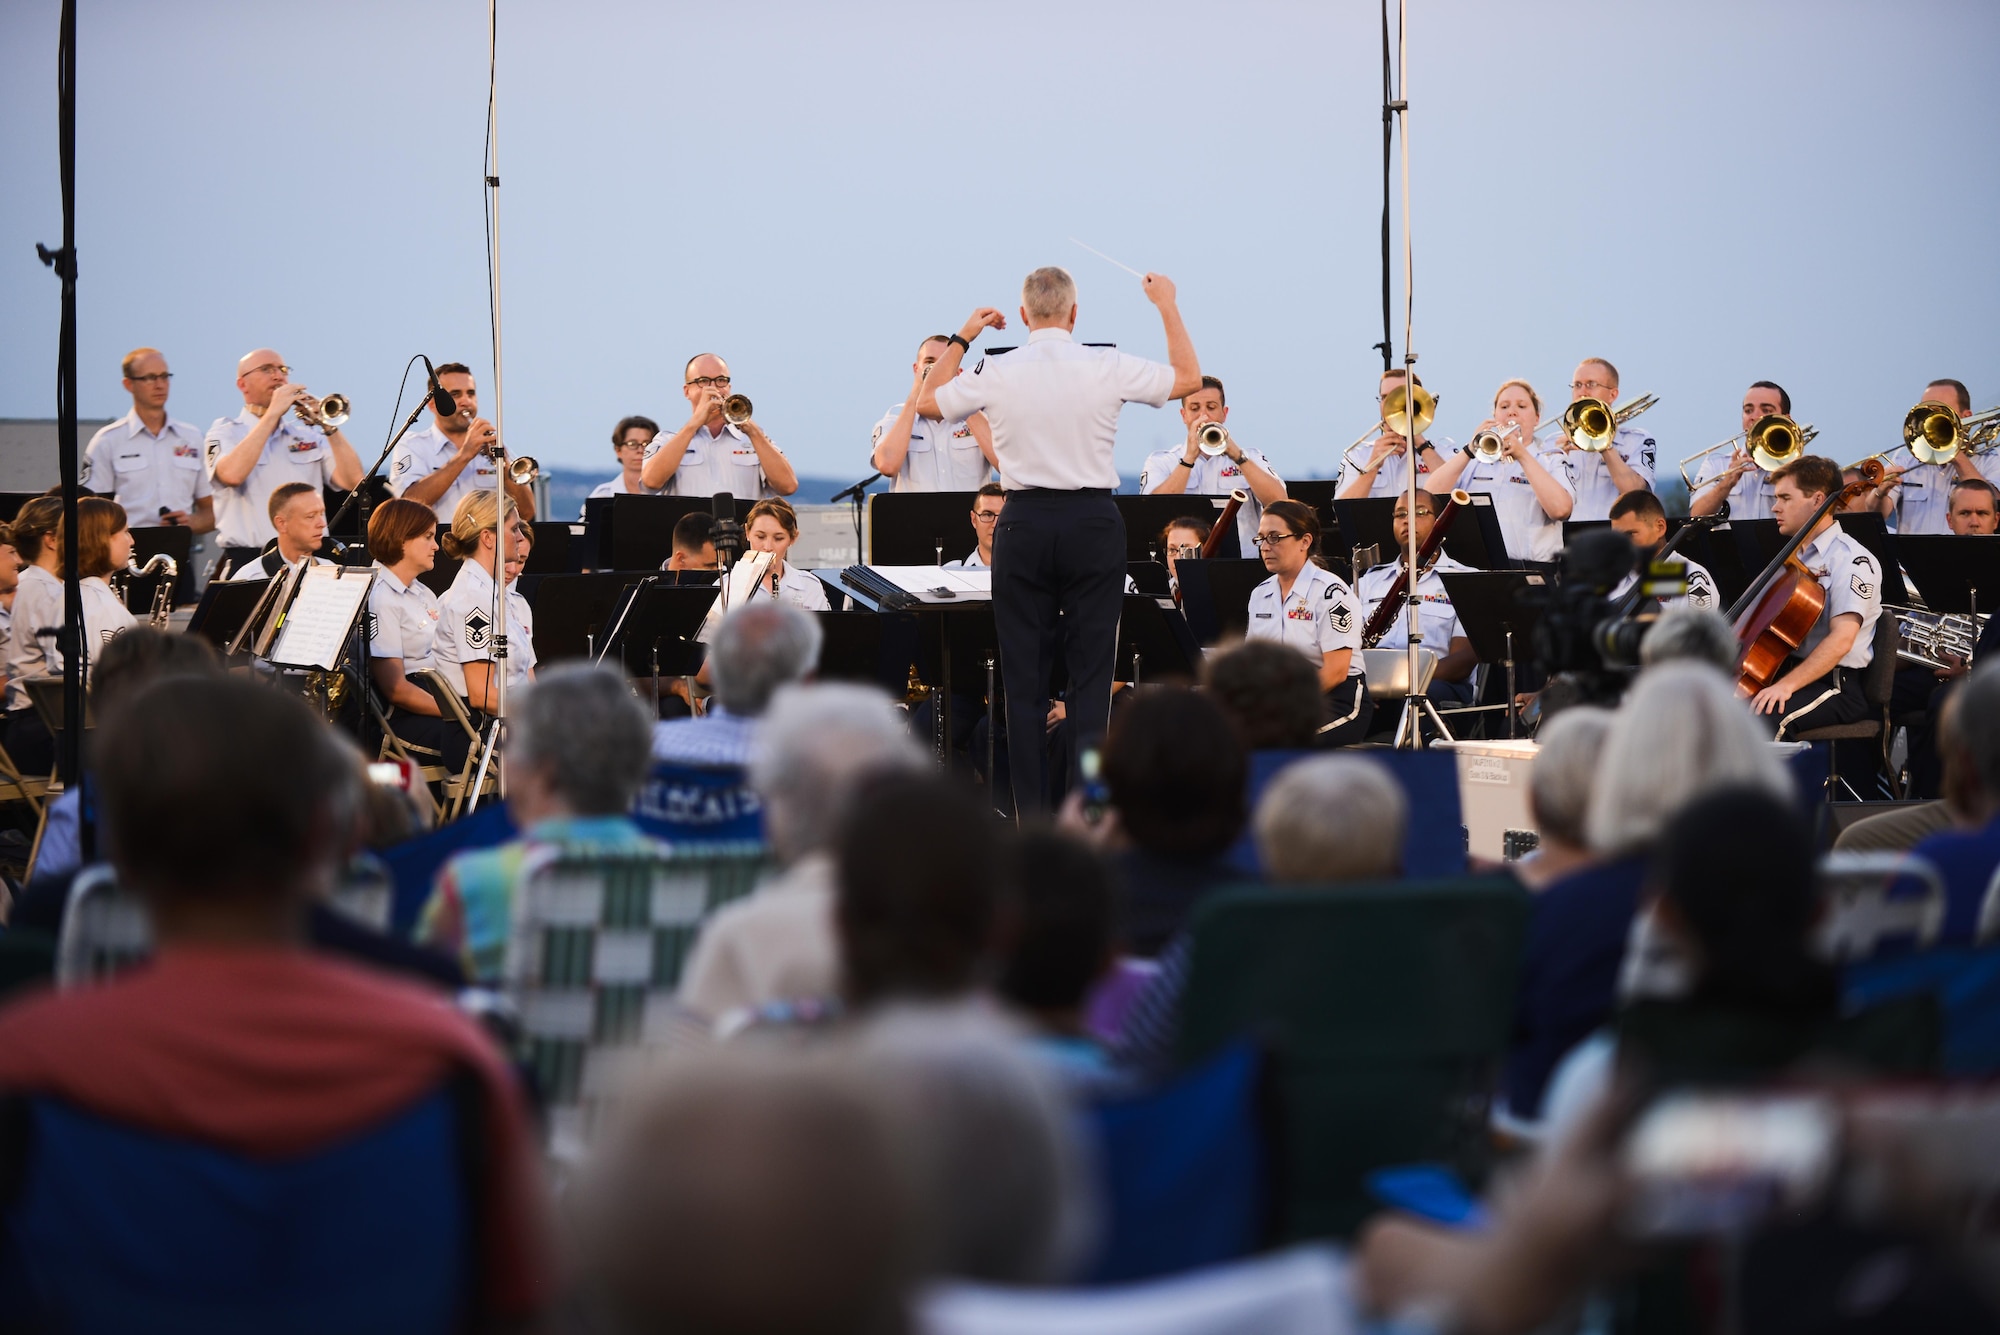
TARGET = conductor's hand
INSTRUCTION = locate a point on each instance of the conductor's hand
(982, 319)
(1160, 290)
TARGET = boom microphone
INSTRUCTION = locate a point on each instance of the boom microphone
(441, 398)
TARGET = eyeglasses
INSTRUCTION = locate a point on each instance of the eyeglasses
(1590, 384)
(633, 444)
(1263, 540)
(1182, 553)
(985, 516)
(270, 368)
(1405, 514)
(710, 381)
(159, 376)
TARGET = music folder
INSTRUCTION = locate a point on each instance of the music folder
(314, 630)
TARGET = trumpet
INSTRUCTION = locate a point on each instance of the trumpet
(1488, 447)
(736, 409)
(1773, 442)
(523, 471)
(1212, 438)
(1935, 434)
(1582, 421)
(327, 414)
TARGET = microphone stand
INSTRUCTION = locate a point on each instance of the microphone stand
(381, 459)
(858, 493)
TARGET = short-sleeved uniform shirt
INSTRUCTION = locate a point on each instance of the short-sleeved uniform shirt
(1701, 587)
(1852, 579)
(1212, 475)
(1321, 615)
(295, 452)
(1591, 480)
(713, 464)
(944, 455)
(422, 453)
(1531, 535)
(38, 605)
(268, 566)
(1394, 477)
(403, 621)
(615, 487)
(1053, 407)
(1923, 502)
(1750, 497)
(146, 473)
(465, 629)
(1435, 614)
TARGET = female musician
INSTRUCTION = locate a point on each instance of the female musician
(1308, 607)
(103, 544)
(773, 526)
(1531, 495)
(403, 622)
(1451, 683)
(1182, 537)
(464, 641)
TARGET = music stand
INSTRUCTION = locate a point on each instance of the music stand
(1318, 492)
(1154, 643)
(920, 528)
(642, 527)
(1757, 541)
(1496, 617)
(1954, 572)
(12, 501)
(872, 649)
(1146, 516)
(224, 608)
(597, 532)
(176, 540)
(1215, 596)
(572, 613)
(550, 553)
(1873, 533)
(653, 631)
(1150, 578)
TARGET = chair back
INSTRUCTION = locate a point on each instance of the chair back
(46, 695)
(1879, 678)
(1878, 904)
(1965, 984)
(113, 1229)
(1385, 1008)
(366, 892)
(696, 804)
(105, 930)
(598, 943)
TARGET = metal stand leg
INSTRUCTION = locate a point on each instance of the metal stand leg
(941, 695)
(1510, 684)
(992, 729)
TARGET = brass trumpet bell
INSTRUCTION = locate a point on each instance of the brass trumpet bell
(1775, 441)
(523, 471)
(1212, 438)
(1590, 424)
(1935, 434)
(1488, 447)
(1409, 410)
(736, 409)
(328, 414)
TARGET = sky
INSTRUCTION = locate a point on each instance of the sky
(1708, 192)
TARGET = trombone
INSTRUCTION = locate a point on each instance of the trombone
(1399, 415)
(1592, 424)
(1935, 434)
(1772, 442)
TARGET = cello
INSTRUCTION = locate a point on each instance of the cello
(1778, 611)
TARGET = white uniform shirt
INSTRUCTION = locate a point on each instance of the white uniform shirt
(1852, 579)
(712, 464)
(38, 604)
(422, 453)
(1212, 475)
(1435, 614)
(1591, 480)
(1923, 503)
(250, 570)
(1053, 406)
(146, 473)
(295, 452)
(1750, 497)
(615, 487)
(971, 561)
(403, 621)
(1531, 535)
(802, 589)
(104, 615)
(1701, 592)
(465, 629)
(1394, 477)
(944, 455)
(1321, 615)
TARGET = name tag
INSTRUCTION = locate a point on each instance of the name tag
(1262, 616)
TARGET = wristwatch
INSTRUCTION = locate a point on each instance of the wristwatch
(1183, 463)
(960, 340)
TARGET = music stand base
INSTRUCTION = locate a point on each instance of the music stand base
(1410, 723)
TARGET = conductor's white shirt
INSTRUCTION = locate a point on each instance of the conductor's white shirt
(294, 452)
(944, 455)
(1321, 615)
(465, 629)
(713, 464)
(1053, 406)
(402, 621)
(422, 453)
(143, 472)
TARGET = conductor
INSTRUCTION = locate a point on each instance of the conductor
(1059, 552)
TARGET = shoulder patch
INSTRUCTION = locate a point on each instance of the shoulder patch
(83, 471)
(370, 624)
(214, 449)
(478, 628)
(1340, 616)
(1862, 588)
(402, 465)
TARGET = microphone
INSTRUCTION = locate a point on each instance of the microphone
(441, 398)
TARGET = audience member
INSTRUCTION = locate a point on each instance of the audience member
(576, 755)
(227, 808)
(1269, 692)
(1062, 945)
(1686, 631)
(758, 648)
(1559, 789)
(777, 945)
(1969, 855)
(1680, 732)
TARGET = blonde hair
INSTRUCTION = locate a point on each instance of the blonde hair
(132, 359)
(475, 515)
(782, 511)
(1533, 397)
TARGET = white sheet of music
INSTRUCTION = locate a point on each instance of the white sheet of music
(925, 582)
(321, 618)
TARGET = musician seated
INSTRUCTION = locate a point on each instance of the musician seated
(986, 506)
(103, 545)
(1531, 490)
(1386, 470)
(464, 642)
(710, 454)
(1975, 508)
(1820, 684)
(1185, 537)
(629, 440)
(1860, 503)
(694, 544)
(37, 604)
(1192, 472)
(1640, 517)
(1310, 608)
(402, 626)
(1438, 620)
(1736, 477)
(932, 453)
(773, 526)
(454, 456)
(298, 513)
(10, 583)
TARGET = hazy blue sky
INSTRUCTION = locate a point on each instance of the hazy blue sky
(1706, 191)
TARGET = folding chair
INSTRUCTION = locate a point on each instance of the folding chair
(458, 786)
(1878, 904)
(105, 930)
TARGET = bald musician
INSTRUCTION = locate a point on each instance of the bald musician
(249, 456)
(711, 454)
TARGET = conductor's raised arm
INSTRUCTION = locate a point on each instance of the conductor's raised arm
(946, 366)
(1180, 348)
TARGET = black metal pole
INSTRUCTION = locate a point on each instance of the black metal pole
(1388, 343)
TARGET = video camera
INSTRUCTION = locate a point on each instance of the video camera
(1587, 637)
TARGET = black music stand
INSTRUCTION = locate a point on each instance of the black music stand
(572, 612)
(1757, 541)
(176, 540)
(1215, 596)
(1146, 516)
(920, 528)
(597, 532)
(642, 527)
(1872, 532)
(1318, 493)
(224, 608)
(11, 503)
(1150, 578)
(1474, 539)
(1956, 573)
(653, 629)
(1696, 547)
(550, 555)
(1497, 619)
(1154, 644)
(873, 649)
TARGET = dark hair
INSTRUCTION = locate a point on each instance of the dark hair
(1176, 772)
(1063, 922)
(97, 522)
(395, 522)
(1641, 504)
(991, 489)
(1270, 692)
(1958, 388)
(282, 497)
(1400, 373)
(215, 788)
(930, 339)
(693, 531)
(777, 508)
(1962, 484)
(1812, 473)
(454, 368)
(137, 657)
(1299, 518)
(1736, 865)
(627, 423)
(33, 523)
(6, 535)
(919, 888)
(1784, 399)
(1192, 523)
(1210, 382)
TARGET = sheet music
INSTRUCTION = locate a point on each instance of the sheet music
(321, 618)
(925, 581)
(740, 586)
